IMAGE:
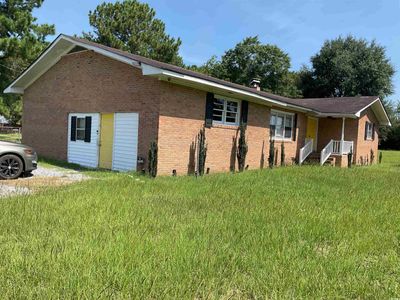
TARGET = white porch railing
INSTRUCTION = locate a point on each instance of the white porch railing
(337, 148)
(306, 150)
(326, 152)
(347, 147)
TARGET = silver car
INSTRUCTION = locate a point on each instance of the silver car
(16, 160)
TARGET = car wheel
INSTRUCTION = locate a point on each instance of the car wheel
(11, 166)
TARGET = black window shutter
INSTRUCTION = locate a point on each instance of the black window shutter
(366, 131)
(73, 128)
(373, 131)
(294, 127)
(88, 129)
(209, 109)
(244, 113)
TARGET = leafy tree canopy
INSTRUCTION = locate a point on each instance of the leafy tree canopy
(250, 59)
(348, 67)
(132, 26)
(21, 41)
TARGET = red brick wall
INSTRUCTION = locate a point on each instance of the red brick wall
(180, 123)
(364, 147)
(331, 129)
(173, 114)
(87, 82)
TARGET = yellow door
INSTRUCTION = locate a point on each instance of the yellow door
(311, 128)
(106, 140)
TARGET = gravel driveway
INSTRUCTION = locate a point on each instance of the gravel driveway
(41, 178)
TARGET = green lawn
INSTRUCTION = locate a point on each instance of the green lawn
(295, 232)
(10, 137)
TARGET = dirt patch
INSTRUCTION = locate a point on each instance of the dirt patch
(41, 178)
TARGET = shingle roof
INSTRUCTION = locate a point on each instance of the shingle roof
(338, 105)
(345, 105)
(342, 105)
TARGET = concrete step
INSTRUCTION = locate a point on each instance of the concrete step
(315, 158)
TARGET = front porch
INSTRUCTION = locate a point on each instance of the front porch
(329, 140)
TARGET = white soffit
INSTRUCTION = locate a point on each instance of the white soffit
(202, 84)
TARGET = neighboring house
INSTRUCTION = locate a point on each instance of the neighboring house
(3, 121)
(101, 107)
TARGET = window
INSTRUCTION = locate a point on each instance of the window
(226, 111)
(369, 130)
(281, 125)
(80, 129)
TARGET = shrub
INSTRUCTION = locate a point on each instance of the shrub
(372, 157)
(271, 158)
(153, 159)
(202, 153)
(242, 148)
(380, 157)
(282, 154)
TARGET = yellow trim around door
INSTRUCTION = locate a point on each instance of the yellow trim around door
(106, 140)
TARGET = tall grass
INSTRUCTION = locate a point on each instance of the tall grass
(295, 232)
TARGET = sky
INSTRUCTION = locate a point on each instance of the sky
(298, 27)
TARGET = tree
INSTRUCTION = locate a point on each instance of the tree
(132, 26)
(390, 136)
(21, 41)
(348, 67)
(250, 59)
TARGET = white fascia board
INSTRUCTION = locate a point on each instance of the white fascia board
(358, 114)
(149, 70)
(154, 71)
(387, 121)
(104, 52)
(337, 115)
(220, 86)
(13, 90)
(47, 68)
(10, 88)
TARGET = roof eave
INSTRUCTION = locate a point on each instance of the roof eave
(336, 115)
(182, 79)
(33, 72)
(386, 120)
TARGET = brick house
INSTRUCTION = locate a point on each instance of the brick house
(101, 107)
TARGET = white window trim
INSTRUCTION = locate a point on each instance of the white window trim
(223, 122)
(371, 125)
(78, 115)
(284, 113)
(79, 128)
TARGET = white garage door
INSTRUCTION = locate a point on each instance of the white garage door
(125, 141)
(83, 139)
